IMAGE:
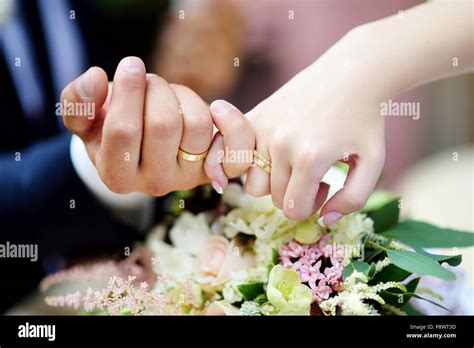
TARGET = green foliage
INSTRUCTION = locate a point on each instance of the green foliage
(423, 235)
(419, 264)
(386, 216)
(397, 297)
(250, 291)
(363, 267)
(390, 273)
(452, 260)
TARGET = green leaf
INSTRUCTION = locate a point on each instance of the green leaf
(396, 297)
(390, 273)
(410, 310)
(377, 200)
(424, 235)
(432, 302)
(251, 290)
(344, 167)
(275, 256)
(371, 254)
(371, 270)
(386, 216)
(452, 260)
(419, 264)
(262, 298)
(354, 266)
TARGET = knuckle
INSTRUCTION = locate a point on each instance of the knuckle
(114, 183)
(157, 188)
(122, 131)
(164, 125)
(281, 143)
(199, 124)
(306, 160)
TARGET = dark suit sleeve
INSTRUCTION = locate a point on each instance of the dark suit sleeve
(42, 200)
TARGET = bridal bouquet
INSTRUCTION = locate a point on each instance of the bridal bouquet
(241, 256)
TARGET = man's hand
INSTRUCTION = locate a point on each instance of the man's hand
(139, 124)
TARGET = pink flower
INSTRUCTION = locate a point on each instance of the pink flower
(317, 264)
(333, 274)
(218, 259)
(321, 291)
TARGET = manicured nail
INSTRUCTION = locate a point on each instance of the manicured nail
(220, 107)
(217, 187)
(85, 85)
(329, 218)
(133, 64)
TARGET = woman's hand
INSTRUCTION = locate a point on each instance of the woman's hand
(328, 112)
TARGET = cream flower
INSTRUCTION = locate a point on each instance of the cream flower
(285, 291)
(307, 231)
(218, 259)
(190, 233)
(355, 291)
(351, 228)
(172, 260)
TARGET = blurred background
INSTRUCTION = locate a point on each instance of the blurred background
(238, 50)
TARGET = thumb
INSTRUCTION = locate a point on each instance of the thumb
(82, 99)
(238, 137)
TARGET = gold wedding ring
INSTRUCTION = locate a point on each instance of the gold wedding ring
(192, 157)
(262, 162)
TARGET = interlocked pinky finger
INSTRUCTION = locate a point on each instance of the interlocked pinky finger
(213, 164)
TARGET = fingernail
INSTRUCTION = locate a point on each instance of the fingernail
(133, 64)
(220, 107)
(329, 218)
(85, 85)
(217, 187)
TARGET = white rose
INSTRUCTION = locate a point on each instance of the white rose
(190, 233)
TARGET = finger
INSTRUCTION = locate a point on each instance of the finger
(238, 137)
(196, 135)
(281, 172)
(122, 132)
(258, 180)
(163, 125)
(197, 121)
(300, 197)
(82, 99)
(213, 164)
(361, 179)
